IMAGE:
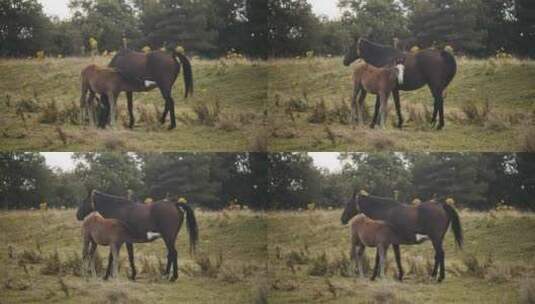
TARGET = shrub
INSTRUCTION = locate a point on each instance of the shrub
(527, 291)
(30, 256)
(380, 141)
(146, 49)
(475, 114)
(52, 265)
(113, 143)
(319, 113)
(319, 266)
(261, 296)
(227, 124)
(260, 141)
(208, 267)
(528, 144)
(207, 115)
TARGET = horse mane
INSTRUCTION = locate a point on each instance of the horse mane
(111, 199)
(385, 202)
(376, 207)
(377, 54)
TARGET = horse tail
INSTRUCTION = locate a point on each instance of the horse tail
(188, 73)
(452, 67)
(455, 224)
(191, 222)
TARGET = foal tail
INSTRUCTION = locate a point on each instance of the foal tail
(452, 67)
(455, 224)
(191, 222)
(188, 73)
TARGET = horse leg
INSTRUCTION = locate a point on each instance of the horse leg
(397, 103)
(438, 111)
(360, 259)
(376, 266)
(172, 259)
(398, 262)
(130, 249)
(166, 94)
(439, 257)
(108, 268)
(170, 105)
(376, 112)
(130, 104)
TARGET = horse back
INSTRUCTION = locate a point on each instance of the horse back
(433, 219)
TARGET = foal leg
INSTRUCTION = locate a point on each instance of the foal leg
(115, 248)
(398, 262)
(384, 103)
(397, 103)
(130, 104)
(376, 112)
(356, 90)
(85, 256)
(130, 249)
(360, 258)
(382, 249)
(112, 98)
(92, 250)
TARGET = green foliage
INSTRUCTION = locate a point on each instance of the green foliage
(113, 173)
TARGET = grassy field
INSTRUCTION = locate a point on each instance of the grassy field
(308, 256)
(230, 266)
(277, 257)
(39, 108)
(280, 105)
(489, 106)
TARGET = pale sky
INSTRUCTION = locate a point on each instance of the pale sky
(325, 7)
(63, 160)
(60, 8)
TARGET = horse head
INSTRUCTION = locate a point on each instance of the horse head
(86, 206)
(351, 209)
(353, 52)
(399, 63)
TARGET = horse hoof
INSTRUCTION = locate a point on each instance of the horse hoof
(171, 128)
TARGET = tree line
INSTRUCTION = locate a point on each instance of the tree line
(266, 181)
(264, 28)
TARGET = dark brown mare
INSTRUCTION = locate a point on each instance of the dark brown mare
(434, 68)
(144, 221)
(159, 67)
(431, 219)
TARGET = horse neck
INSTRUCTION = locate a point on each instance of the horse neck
(369, 208)
(378, 55)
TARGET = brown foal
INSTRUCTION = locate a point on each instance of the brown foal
(378, 81)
